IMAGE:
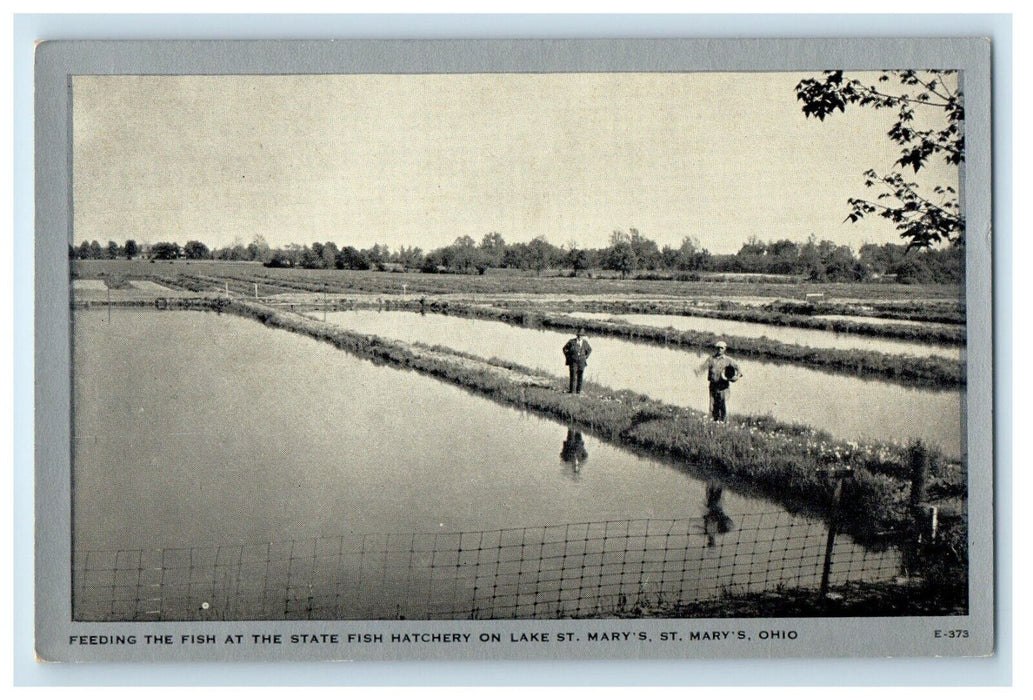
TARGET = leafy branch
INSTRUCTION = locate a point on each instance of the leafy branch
(920, 220)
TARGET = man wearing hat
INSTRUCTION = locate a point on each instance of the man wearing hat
(721, 372)
(576, 352)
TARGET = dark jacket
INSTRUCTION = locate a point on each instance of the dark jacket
(576, 353)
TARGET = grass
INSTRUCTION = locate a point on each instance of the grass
(859, 599)
(785, 462)
(935, 372)
(556, 282)
(931, 312)
(768, 315)
(929, 371)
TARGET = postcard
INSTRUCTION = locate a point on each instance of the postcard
(586, 349)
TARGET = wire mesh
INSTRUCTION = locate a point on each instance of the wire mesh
(570, 570)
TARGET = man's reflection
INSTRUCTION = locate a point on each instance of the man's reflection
(715, 520)
(574, 452)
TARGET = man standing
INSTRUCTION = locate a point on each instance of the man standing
(576, 352)
(721, 372)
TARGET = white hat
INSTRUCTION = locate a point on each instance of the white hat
(720, 344)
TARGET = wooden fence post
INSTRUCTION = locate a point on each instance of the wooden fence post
(838, 474)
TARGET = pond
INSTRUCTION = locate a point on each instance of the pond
(808, 337)
(848, 407)
(224, 470)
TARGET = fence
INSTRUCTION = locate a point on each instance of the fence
(580, 569)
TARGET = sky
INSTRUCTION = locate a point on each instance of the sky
(420, 160)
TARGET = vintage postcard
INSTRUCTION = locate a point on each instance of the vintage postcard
(513, 350)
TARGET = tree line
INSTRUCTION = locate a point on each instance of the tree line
(629, 253)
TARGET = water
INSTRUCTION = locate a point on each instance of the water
(89, 285)
(848, 407)
(808, 337)
(259, 461)
(148, 286)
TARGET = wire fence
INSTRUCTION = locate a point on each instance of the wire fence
(571, 570)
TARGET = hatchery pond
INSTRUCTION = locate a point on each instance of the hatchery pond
(224, 470)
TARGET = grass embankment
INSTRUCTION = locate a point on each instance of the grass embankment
(857, 599)
(784, 462)
(928, 371)
(551, 282)
(767, 315)
(939, 311)
(208, 303)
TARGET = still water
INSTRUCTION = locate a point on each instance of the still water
(848, 407)
(210, 436)
(808, 337)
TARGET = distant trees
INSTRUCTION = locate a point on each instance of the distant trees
(620, 256)
(328, 258)
(628, 252)
(493, 249)
(911, 267)
(349, 258)
(540, 254)
(257, 250)
(87, 251)
(196, 250)
(165, 250)
(235, 251)
(691, 257)
(647, 254)
(576, 259)
(410, 258)
(462, 255)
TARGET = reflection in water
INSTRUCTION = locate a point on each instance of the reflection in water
(715, 520)
(574, 452)
(294, 523)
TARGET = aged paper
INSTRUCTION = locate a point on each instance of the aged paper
(513, 350)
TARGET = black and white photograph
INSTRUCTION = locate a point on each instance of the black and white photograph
(650, 359)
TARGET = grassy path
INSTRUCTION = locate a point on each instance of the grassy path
(784, 462)
(952, 333)
(936, 372)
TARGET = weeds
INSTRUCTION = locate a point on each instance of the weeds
(781, 461)
(926, 371)
(790, 314)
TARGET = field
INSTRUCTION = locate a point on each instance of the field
(550, 285)
(934, 312)
(891, 485)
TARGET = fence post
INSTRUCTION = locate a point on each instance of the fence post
(924, 518)
(919, 458)
(837, 473)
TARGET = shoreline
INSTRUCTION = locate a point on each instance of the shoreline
(785, 463)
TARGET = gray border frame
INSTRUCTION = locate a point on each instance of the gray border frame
(879, 637)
